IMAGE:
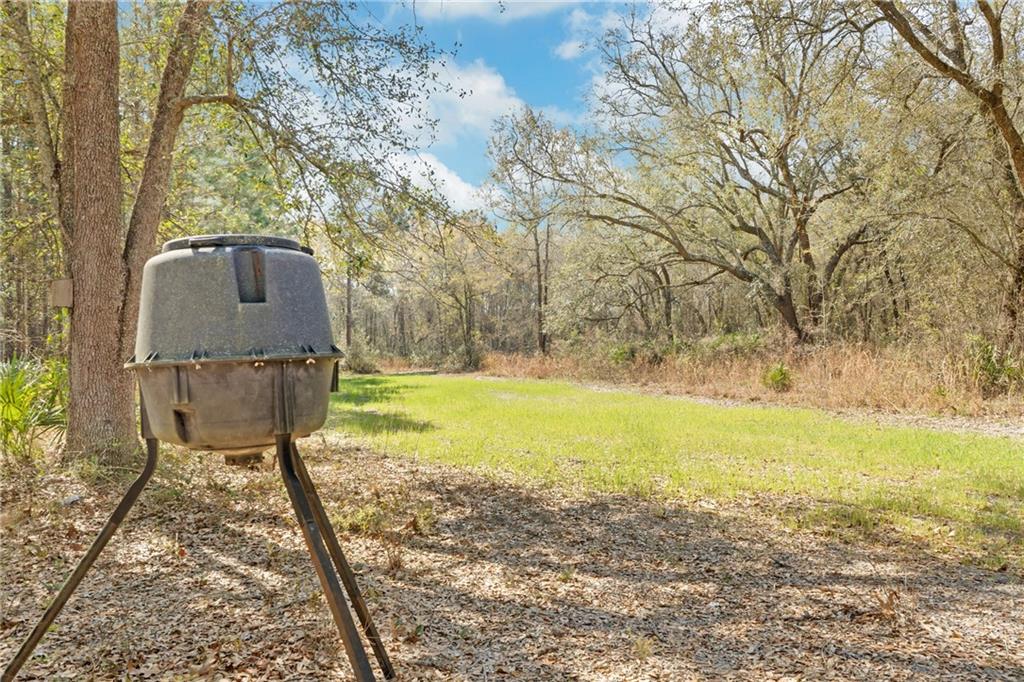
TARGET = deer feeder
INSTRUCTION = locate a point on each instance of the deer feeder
(234, 354)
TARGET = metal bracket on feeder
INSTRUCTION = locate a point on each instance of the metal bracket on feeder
(215, 291)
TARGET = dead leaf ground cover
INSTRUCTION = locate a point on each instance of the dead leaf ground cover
(475, 577)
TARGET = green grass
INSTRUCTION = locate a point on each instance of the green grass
(963, 491)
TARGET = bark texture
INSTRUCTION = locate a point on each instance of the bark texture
(101, 420)
(105, 260)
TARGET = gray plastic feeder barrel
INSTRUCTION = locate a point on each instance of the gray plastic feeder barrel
(224, 322)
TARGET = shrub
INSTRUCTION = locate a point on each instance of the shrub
(778, 378)
(730, 343)
(33, 400)
(996, 372)
(358, 358)
(468, 357)
(622, 354)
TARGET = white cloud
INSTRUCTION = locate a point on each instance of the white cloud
(499, 12)
(584, 30)
(465, 115)
(479, 95)
(559, 116)
(427, 171)
(578, 20)
(570, 49)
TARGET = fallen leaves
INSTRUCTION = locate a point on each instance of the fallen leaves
(210, 579)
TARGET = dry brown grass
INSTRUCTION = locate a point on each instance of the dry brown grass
(392, 364)
(836, 377)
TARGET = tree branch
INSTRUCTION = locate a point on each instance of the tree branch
(156, 170)
(902, 26)
(48, 167)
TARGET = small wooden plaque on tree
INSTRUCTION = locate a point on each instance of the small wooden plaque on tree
(61, 293)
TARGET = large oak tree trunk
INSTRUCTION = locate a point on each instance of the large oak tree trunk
(101, 419)
(105, 260)
(786, 308)
(815, 292)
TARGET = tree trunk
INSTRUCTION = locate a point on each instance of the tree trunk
(7, 258)
(546, 279)
(783, 303)
(105, 262)
(403, 344)
(893, 300)
(101, 418)
(348, 306)
(469, 323)
(815, 293)
(1013, 308)
(538, 271)
(667, 302)
(140, 239)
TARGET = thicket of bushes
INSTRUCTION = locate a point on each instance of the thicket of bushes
(972, 377)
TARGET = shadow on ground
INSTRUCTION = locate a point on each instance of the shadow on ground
(348, 415)
(359, 390)
(510, 582)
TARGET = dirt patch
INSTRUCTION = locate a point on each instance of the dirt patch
(209, 579)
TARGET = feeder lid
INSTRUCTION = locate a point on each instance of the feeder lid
(234, 240)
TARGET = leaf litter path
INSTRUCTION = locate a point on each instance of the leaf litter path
(209, 579)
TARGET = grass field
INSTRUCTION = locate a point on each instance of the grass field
(963, 493)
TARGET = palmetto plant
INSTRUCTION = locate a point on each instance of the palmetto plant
(995, 371)
(33, 399)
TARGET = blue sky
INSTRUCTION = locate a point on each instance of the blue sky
(538, 53)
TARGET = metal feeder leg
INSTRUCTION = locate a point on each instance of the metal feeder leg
(312, 534)
(85, 564)
(343, 567)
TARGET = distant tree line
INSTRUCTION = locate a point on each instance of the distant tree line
(839, 171)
